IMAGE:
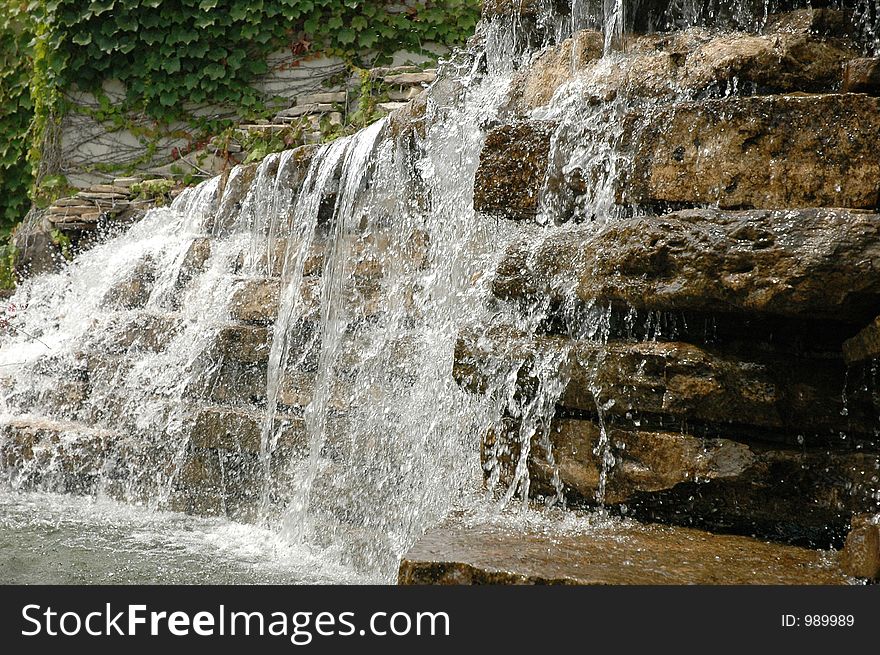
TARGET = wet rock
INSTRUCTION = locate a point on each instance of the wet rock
(256, 301)
(801, 496)
(513, 159)
(133, 292)
(53, 455)
(239, 430)
(808, 263)
(821, 21)
(781, 398)
(244, 343)
(742, 153)
(643, 461)
(36, 252)
(144, 332)
(860, 557)
(535, 86)
(194, 261)
(692, 63)
(865, 345)
(468, 552)
(862, 76)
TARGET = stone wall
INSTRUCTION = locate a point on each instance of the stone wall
(94, 152)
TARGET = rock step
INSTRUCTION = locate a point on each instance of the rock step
(805, 263)
(733, 153)
(465, 552)
(779, 398)
(804, 496)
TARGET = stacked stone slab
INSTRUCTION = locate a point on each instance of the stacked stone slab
(392, 88)
(727, 381)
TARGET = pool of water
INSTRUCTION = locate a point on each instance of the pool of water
(59, 539)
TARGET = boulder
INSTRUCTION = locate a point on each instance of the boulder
(512, 167)
(860, 557)
(862, 76)
(801, 495)
(778, 398)
(742, 153)
(865, 345)
(805, 263)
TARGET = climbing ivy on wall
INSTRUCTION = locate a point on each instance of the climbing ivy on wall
(16, 111)
(170, 52)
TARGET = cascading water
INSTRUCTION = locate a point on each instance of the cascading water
(377, 262)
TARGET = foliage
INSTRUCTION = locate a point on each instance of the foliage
(207, 51)
(16, 110)
(7, 266)
(158, 190)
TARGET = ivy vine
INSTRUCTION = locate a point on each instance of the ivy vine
(16, 111)
(170, 53)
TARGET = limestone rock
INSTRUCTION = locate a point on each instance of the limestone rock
(691, 63)
(236, 430)
(865, 345)
(470, 552)
(861, 553)
(801, 495)
(512, 166)
(256, 301)
(133, 292)
(862, 76)
(808, 263)
(407, 79)
(779, 397)
(244, 343)
(742, 153)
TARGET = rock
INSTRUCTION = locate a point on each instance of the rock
(302, 110)
(862, 76)
(133, 292)
(75, 219)
(820, 21)
(404, 96)
(237, 431)
(806, 263)
(126, 182)
(88, 195)
(244, 343)
(741, 153)
(860, 557)
(499, 8)
(390, 106)
(781, 398)
(72, 210)
(802, 496)
(470, 552)
(194, 261)
(141, 333)
(865, 345)
(535, 85)
(692, 63)
(513, 158)
(108, 188)
(72, 202)
(411, 79)
(644, 461)
(36, 252)
(256, 301)
(323, 98)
